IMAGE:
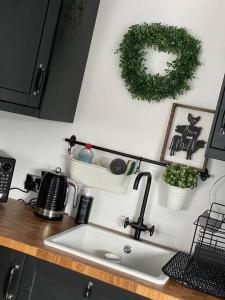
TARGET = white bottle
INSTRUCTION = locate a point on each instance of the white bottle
(86, 154)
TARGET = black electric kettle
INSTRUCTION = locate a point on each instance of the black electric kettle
(52, 196)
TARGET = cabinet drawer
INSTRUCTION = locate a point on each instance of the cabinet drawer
(45, 281)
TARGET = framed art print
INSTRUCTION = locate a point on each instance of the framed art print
(187, 136)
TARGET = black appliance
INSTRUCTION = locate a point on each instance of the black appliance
(7, 164)
(52, 195)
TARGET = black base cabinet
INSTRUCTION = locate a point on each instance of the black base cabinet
(23, 277)
(11, 267)
(43, 54)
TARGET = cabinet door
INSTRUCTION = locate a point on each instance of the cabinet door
(104, 291)
(216, 145)
(11, 266)
(26, 34)
(45, 281)
(68, 59)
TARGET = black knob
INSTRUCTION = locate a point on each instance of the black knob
(151, 230)
(6, 167)
(126, 222)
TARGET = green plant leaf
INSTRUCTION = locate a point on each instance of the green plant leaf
(180, 176)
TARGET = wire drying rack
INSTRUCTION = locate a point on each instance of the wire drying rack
(204, 267)
(209, 236)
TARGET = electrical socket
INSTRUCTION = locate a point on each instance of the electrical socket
(32, 183)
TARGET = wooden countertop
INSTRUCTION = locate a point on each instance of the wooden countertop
(21, 230)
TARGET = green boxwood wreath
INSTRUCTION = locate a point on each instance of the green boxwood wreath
(171, 39)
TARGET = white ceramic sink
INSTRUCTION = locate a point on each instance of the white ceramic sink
(91, 242)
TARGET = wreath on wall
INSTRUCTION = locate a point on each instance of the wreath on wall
(171, 39)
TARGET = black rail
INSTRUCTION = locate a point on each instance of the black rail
(73, 141)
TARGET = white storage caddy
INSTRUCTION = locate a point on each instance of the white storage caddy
(98, 177)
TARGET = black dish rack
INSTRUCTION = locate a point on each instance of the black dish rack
(204, 267)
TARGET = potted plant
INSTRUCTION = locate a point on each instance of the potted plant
(180, 178)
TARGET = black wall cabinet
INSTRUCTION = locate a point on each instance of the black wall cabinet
(27, 278)
(43, 53)
(27, 30)
(216, 144)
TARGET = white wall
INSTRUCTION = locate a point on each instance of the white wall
(107, 116)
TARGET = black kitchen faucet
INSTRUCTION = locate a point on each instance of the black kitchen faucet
(139, 226)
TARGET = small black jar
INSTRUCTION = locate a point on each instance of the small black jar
(84, 208)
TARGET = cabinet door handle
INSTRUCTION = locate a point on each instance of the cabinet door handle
(222, 128)
(9, 293)
(88, 290)
(39, 80)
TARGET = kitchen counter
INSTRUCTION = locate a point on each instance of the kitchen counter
(21, 230)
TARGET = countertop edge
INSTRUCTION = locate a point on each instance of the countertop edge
(24, 232)
(70, 262)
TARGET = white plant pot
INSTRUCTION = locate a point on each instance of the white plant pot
(176, 197)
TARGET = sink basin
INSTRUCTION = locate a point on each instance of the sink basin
(92, 242)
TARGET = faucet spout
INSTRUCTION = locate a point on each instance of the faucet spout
(139, 226)
(147, 189)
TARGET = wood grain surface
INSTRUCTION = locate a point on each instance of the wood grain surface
(21, 230)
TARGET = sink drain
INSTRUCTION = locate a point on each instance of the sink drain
(127, 249)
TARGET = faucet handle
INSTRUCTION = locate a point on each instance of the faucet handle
(151, 229)
(126, 222)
